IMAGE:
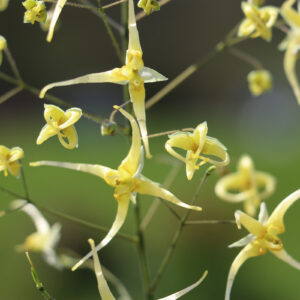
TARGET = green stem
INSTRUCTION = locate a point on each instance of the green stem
(110, 33)
(176, 236)
(141, 250)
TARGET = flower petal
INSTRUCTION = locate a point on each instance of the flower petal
(134, 40)
(72, 115)
(283, 255)
(53, 114)
(249, 251)
(148, 187)
(243, 241)
(213, 147)
(108, 76)
(118, 223)
(289, 14)
(47, 132)
(14, 168)
(265, 181)
(71, 135)
(58, 8)
(150, 75)
(263, 214)
(97, 170)
(276, 218)
(103, 287)
(186, 290)
(16, 153)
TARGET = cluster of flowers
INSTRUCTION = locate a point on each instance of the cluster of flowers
(246, 185)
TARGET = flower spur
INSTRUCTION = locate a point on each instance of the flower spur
(263, 237)
(246, 185)
(132, 73)
(197, 143)
(106, 293)
(126, 180)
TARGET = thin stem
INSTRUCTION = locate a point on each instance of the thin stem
(65, 216)
(176, 236)
(10, 94)
(12, 64)
(228, 41)
(210, 222)
(154, 135)
(142, 14)
(141, 249)
(110, 33)
(246, 57)
(49, 97)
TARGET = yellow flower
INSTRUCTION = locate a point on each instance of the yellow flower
(36, 11)
(149, 6)
(291, 45)
(263, 237)
(260, 81)
(60, 123)
(3, 45)
(45, 239)
(105, 292)
(126, 180)
(199, 146)
(132, 73)
(9, 160)
(246, 185)
(258, 21)
(3, 4)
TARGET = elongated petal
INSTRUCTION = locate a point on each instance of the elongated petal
(137, 95)
(182, 140)
(276, 218)
(252, 225)
(213, 147)
(263, 214)
(289, 63)
(249, 251)
(186, 290)
(58, 8)
(47, 132)
(72, 115)
(131, 162)
(118, 223)
(70, 135)
(134, 40)
(284, 256)
(199, 136)
(150, 75)
(97, 170)
(53, 114)
(289, 14)
(51, 258)
(16, 153)
(103, 287)
(108, 76)
(148, 187)
(243, 241)
(54, 235)
(38, 219)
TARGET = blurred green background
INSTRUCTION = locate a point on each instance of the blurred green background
(267, 128)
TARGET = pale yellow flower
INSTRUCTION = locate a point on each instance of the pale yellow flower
(127, 180)
(258, 22)
(45, 239)
(263, 237)
(132, 73)
(259, 81)
(3, 4)
(36, 11)
(149, 6)
(60, 123)
(105, 292)
(291, 45)
(3, 45)
(199, 146)
(246, 185)
(9, 160)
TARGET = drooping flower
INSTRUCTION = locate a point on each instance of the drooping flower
(3, 45)
(105, 292)
(259, 81)
(3, 4)
(36, 11)
(263, 237)
(132, 73)
(127, 180)
(60, 123)
(45, 239)
(9, 160)
(199, 146)
(246, 185)
(149, 6)
(258, 22)
(291, 45)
